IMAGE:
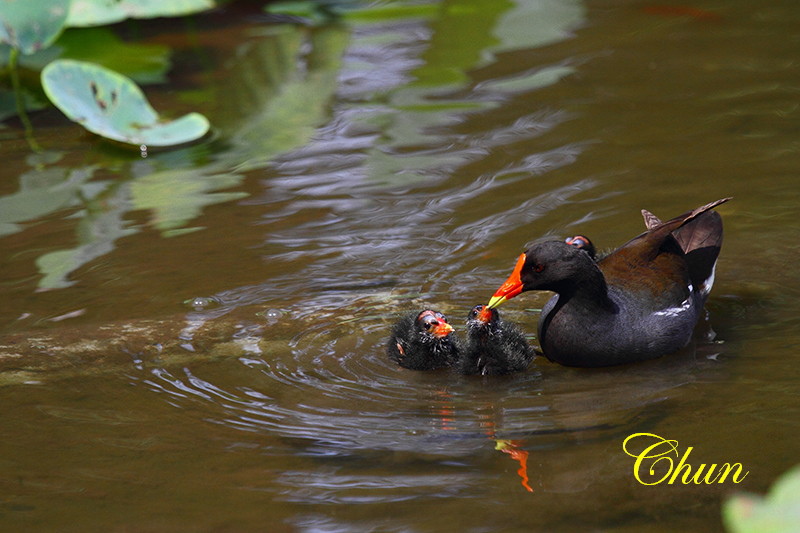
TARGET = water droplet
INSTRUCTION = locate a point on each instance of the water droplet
(273, 313)
(200, 303)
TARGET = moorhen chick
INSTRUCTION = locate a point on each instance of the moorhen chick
(424, 341)
(639, 302)
(582, 242)
(494, 346)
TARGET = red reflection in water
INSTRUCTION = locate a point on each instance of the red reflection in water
(445, 411)
(445, 415)
(518, 454)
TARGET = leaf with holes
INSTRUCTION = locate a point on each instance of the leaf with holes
(30, 26)
(111, 105)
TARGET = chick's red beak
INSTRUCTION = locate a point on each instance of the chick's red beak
(485, 315)
(512, 286)
(442, 329)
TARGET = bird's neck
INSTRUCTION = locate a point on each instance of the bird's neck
(584, 301)
(589, 292)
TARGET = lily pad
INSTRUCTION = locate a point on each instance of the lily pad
(100, 12)
(778, 512)
(111, 105)
(30, 26)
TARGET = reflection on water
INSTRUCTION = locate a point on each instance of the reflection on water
(329, 393)
(204, 329)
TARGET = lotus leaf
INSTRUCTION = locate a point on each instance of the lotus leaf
(113, 106)
(30, 26)
(99, 12)
(777, 512)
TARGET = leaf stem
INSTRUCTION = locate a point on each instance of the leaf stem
(23, 115)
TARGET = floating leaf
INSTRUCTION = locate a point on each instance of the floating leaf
(109, 104)
(29, 25)
(778, 512)
(100, 12)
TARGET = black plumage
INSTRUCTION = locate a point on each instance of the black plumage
(494, 346)
(639, 302)
(424, 341)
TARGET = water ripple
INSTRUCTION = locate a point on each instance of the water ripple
(330, 389)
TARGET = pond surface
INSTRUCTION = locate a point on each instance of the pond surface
(194, 340)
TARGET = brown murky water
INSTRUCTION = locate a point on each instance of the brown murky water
(194, 341)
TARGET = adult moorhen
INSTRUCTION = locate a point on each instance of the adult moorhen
(639, 302)
(494, 346)
(424, 341)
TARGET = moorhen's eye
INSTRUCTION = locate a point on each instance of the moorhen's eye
(538, 267)
(429, 322)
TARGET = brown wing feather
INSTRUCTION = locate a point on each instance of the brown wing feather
(648, 244)
(650, 220)
(656, 260)
(701, 240)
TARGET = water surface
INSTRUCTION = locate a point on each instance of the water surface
(193, 341)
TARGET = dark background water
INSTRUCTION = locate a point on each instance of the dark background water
(194, 340)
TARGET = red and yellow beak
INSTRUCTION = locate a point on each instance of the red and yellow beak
(442, 329)
(434, 323)
(512, 286)
(485, 315)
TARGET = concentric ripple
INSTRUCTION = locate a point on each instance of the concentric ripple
(331, 385)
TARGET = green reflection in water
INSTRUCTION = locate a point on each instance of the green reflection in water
(466, 36)
(175, 187)
(272, 98)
